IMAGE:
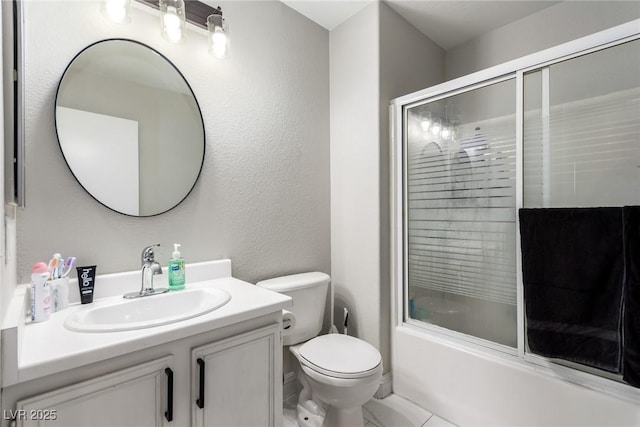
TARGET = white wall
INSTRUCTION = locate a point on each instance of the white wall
(263, 196)
(375, 56)
(355, 171)
(551, 26)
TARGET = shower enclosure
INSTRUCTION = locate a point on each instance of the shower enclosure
(557, 129)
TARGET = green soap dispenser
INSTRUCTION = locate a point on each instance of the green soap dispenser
(176, 269)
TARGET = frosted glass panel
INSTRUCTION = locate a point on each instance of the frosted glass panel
(460, 192)
(582, 131)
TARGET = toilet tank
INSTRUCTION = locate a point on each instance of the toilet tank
(309, 293)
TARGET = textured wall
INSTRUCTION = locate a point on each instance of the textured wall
(263, 196)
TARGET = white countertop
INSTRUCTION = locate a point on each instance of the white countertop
(32, 350)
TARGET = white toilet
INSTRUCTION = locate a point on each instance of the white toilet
(339, 373)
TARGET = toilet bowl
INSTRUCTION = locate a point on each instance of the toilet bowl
(343, 373)
(338, 373)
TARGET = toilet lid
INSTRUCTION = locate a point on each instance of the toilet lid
(340, 355)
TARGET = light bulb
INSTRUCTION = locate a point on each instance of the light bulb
(218, 35)
(172, 20)
(425, 120)
(414, 130)
(436, 127)
(446, 133)
(172, 27)
(116, 10)
(219, 43)
(174, 34)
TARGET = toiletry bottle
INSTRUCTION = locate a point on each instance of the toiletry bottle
(86, 283)
(40, 293)
(176, 269)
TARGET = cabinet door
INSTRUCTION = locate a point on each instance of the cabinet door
(135, 397)
(238, 381)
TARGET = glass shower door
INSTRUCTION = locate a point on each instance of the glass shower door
(460, 191)
(474, 160)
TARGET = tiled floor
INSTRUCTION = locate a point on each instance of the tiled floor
(392, 411)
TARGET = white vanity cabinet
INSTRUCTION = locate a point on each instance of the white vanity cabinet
(220, 368)
(236, 381)
(229, 377)
(140, 396)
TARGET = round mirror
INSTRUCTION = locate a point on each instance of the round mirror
(129, 127)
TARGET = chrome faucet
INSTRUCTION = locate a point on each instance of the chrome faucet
(150, 267)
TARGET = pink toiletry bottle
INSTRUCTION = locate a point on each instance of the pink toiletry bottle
(40, 293)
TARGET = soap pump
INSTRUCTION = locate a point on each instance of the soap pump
(176, 269)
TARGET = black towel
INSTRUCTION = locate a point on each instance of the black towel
(631, 316)
(573, 270)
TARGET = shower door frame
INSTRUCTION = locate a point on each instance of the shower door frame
(398, 111)
(455, 90)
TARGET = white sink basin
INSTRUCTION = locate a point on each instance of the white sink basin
(146, 312)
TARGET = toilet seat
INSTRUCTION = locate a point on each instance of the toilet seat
(340, 356)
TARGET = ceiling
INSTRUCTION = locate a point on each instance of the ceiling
(447, 22)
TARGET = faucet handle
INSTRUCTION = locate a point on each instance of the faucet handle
(147, 253)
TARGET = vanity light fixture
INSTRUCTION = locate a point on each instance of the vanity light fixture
(174, 15)
(218, 34)
(118, 11)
